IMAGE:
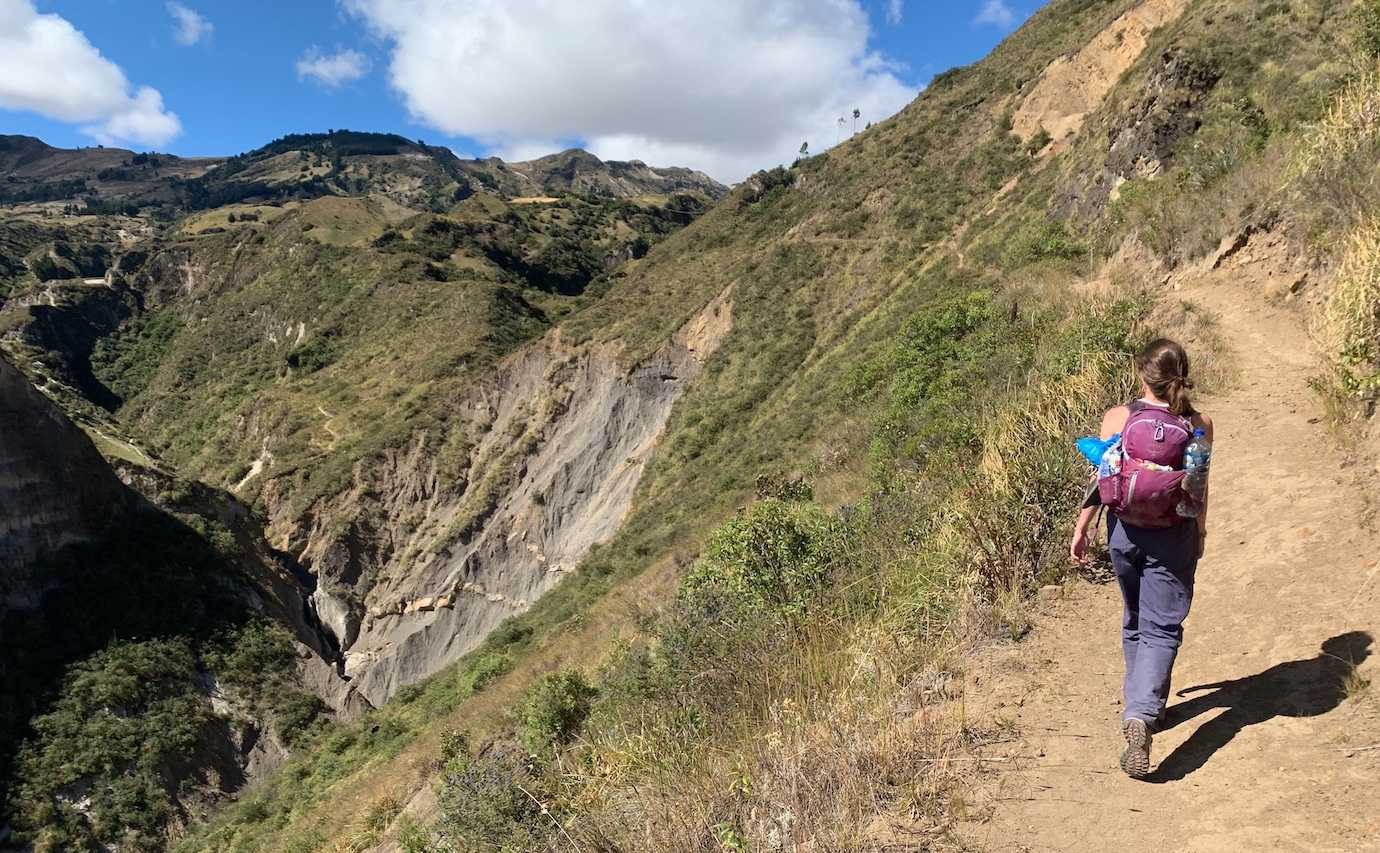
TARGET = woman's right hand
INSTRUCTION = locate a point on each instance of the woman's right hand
(1078, 548)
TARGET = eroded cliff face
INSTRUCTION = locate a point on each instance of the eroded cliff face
(429, 551)
(55, 488)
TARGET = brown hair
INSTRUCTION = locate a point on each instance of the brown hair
(1163, 365)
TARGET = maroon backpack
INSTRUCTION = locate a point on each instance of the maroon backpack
(1147, 490)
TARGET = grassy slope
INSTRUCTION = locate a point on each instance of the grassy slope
(378, 317)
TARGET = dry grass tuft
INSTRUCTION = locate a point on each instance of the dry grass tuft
(1333, 167)
(1352, 122)
(836, 738)
(1349, 326)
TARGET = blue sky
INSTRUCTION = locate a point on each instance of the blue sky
(716, 84)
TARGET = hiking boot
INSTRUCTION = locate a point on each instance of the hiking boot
(1135, 761)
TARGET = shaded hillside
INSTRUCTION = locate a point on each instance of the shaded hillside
(155, 651)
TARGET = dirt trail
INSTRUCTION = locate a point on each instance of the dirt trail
(1279, 760)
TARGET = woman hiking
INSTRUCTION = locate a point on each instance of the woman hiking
(1154, 549)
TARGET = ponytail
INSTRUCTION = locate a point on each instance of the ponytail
(1163, 366)
(1176, 394)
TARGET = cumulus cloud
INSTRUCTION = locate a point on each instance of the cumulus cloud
(894, 11)
(719, 85)
(48, 67)
(995, 13)
(332, 70)
(189, 27)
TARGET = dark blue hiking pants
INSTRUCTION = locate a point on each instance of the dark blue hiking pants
(1155, 571)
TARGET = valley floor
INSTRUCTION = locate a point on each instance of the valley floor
(1282, 751)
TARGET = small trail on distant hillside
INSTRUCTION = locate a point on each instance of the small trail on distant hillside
(1281, 758)
(335, 434)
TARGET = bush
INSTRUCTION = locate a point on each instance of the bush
(1367, 18)
(490, 802)
(488, 667)
(125, 719)
(295, 715)
(773, 558)
(126, 361)
(1050, 241)
(318, 353)
(412, 838)
(554, 709)
(1039, 142)
(929, 373)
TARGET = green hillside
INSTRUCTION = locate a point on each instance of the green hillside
(870, 368)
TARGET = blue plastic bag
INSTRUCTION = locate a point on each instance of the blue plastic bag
(1094, 448)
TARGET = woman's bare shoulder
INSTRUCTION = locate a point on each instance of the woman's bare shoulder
(1114, 420)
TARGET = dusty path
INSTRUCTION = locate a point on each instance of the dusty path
(1279, 760)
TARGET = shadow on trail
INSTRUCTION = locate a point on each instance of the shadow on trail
(1298, 688)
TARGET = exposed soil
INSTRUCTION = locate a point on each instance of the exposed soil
(1274, 743)
(1073, 86)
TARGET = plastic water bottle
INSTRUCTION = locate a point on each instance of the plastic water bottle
(1197, 459)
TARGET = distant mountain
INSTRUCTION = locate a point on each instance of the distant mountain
(578, 171)
(33, 171)
(313, 165)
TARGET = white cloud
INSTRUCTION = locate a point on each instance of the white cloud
(332, 70)
(48, 67)
(995, 13)
(719, 85)
(189, 27)
(895, 10)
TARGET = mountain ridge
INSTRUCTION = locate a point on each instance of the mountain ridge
(312, 164)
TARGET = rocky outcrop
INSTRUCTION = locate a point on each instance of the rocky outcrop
(422, 557)
(1143, 138)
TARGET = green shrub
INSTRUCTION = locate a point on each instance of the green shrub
(488, 667)
(296, 714)
(1048, 241)
(125, 719)
(554, 709)
(775, 558)
(1039, 142)
(1367, 17)
(490, 802)
(318, 353)
(455, 744)
(932, 375)
(412, 838)
(126, 361)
